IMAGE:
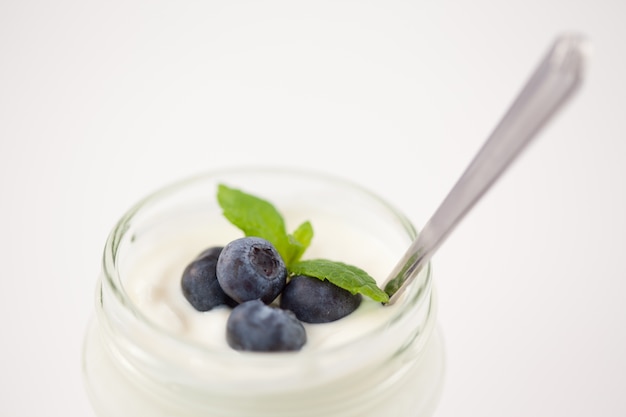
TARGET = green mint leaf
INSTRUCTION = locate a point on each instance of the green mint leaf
(258, 217)
(342, 275)
(254, 216)
(299, 241)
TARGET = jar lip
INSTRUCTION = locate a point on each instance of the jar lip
(415, 296)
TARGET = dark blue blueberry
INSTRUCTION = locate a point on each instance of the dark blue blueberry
(199, 282)
(254, 326)
(315, 301)
(250, 268)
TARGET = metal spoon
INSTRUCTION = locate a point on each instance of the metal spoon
(551, 85)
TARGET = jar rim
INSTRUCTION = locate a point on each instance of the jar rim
(416, 295)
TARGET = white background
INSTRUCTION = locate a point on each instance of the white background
(103, 102)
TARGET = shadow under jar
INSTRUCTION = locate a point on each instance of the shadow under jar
(147, 352)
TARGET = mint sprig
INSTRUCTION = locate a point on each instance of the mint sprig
(258, 217)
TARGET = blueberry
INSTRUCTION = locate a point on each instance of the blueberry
(315, 301)
(199, 282)
(250, 268)
(254, 326)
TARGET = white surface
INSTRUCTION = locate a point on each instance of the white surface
(102, 102)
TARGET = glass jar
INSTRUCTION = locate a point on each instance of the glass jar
(138, 364)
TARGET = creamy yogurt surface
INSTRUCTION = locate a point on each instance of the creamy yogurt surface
(152, 277)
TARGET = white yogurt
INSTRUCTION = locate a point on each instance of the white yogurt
(150, 353)
(153, 281)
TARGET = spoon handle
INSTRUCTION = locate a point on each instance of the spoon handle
(551, 85)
